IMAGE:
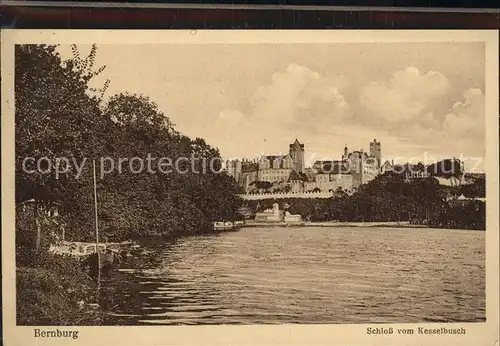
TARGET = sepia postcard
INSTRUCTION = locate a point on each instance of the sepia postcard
(250, 187)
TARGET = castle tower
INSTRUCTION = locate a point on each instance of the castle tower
(297, 154)
(237, 168)
(246, 183)
(375, 151)
(355, 162)
(233, 168)
(229, 168)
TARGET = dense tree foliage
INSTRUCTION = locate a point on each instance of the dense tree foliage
(61, 121)
(59, 116)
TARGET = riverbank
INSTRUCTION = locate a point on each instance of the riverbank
(56, 290)
(401, 224)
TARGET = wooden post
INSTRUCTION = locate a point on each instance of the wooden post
(38, 227)
(38, 235)
(96, 227)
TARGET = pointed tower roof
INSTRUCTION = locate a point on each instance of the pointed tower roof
(297, 145)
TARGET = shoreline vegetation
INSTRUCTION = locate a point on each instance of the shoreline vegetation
(402, 224)
(58, 114)
(340, 224)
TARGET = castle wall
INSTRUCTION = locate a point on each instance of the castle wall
(324, 182)
(264, 164)
(248, 178)
(370, 172)
(254, 197)
(272, 175)
(330, 182)
(297, 186)
(344, 181)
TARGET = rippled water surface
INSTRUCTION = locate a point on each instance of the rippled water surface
(304, 275)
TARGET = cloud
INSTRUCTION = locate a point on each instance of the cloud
(466, 119)
(418, 106)
(298, 102)
(411, 113)
(297, 94)
(232, 125)
(230, 118)
(407, 95)
(460, 132)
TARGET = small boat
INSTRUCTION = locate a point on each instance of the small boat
(111, 254)
(98, 255)
(77, 249)
(82, 249)
(226, 226)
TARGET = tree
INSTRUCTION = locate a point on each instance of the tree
(55, 117)
(59, 115)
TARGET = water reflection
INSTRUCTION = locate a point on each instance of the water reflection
(302, 275)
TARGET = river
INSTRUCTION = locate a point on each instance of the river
(303, 275)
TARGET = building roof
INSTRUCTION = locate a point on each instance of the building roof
(408, 167)
(297, 145)
(360, 153)
(446, 168)
(249, 167)
(451, 181)
(332, 167)
(273, 158)
(299, 176)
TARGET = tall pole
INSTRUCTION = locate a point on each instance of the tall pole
(97, 230)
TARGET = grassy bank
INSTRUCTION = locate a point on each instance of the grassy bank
(56, 290)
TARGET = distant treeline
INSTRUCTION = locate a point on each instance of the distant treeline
(446, 168)
(390, 197)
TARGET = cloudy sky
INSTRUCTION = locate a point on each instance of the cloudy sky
(420, 100)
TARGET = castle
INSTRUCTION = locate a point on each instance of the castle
(287, 173)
